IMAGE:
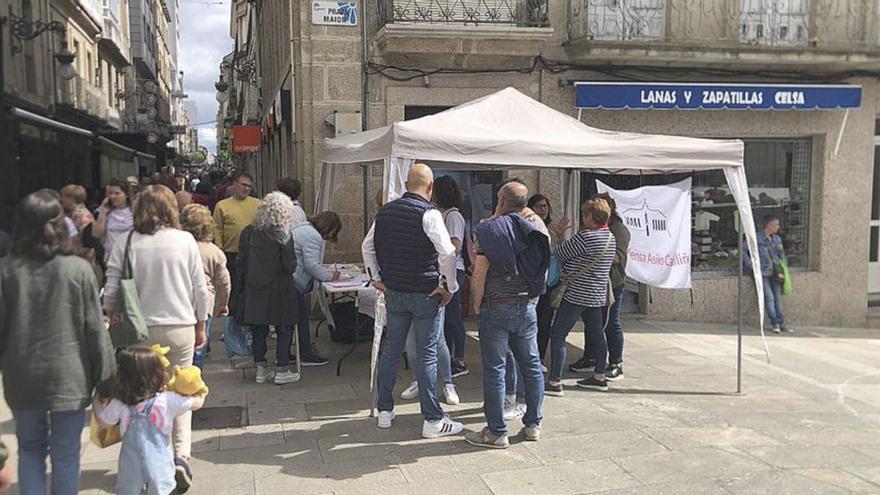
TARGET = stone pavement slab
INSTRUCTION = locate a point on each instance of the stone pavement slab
(807, 422)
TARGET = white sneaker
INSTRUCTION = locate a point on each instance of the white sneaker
(385, 419)
(287, 376)
(451, 395)
(514, 412)
(264, 374)
(410, 392)
(441, 428)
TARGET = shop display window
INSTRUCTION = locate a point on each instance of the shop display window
(778, 174)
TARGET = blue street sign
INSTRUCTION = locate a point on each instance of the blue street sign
(668, 96)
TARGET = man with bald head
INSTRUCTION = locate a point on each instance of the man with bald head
(411, 259)
(513, 254)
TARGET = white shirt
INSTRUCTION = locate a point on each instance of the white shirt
(435, 229)
(299, 215)
(166, 407)
(457, 228)
(167, 270)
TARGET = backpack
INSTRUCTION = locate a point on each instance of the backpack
(465, 246)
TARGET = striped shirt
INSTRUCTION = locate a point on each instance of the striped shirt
(590, 289)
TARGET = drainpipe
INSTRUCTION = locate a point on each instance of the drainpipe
(364, 108)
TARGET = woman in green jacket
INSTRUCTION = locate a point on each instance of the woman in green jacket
(54, 349)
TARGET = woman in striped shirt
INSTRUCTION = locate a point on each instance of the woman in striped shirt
(585, 296)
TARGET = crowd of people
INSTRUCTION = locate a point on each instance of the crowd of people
(195, 251)
(204, 249)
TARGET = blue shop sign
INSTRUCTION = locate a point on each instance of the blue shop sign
(668, 96)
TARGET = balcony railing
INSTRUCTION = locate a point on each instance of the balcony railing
(81, 95)
(519, 13)
(774, 23)
(617, 20)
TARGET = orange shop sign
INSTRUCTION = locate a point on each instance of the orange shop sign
(246, 139)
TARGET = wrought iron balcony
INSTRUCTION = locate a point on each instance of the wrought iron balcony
(519, 13)
(771, 23)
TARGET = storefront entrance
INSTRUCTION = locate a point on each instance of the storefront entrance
(874, 239)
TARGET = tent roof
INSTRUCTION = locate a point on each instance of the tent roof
(508, 129)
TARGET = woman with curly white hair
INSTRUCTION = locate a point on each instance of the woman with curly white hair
(265, 265)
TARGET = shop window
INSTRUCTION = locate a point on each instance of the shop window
(778, 174)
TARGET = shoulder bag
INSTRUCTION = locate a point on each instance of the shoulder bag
(127, 325)
(559, 291)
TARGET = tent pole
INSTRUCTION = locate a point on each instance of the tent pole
(739, 317)
(580, 111)
(368, 193)
(840, 133)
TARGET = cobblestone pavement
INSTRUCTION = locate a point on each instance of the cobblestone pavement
(808, 422)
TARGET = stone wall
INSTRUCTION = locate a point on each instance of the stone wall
(832, 291)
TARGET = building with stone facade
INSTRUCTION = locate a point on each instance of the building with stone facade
(403, 59)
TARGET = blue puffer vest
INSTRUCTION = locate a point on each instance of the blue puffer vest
(406, 256)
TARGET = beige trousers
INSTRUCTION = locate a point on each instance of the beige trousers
(182, 341)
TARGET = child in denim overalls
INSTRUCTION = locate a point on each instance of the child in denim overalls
(145, 414)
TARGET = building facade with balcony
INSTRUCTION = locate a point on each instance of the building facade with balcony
(812, 168)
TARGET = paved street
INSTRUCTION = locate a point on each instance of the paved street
(807, 423)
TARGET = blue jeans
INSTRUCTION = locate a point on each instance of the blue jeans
(199, 356)
(513, 327)
(422, 313)
(444, 364)
(613, 330)
(305, 340)
(44, 433)
(566, 317)
(453, 326)
(773, 300)
(513, 379)
(284, 336)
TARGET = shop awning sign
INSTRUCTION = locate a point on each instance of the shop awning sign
(246, 139)
(689, 96)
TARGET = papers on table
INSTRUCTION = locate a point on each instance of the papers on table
(347, 284)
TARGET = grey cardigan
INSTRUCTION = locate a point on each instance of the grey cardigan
(54, 348)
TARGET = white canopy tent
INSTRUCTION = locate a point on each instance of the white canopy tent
(509, 130)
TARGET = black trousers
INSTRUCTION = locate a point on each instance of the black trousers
(545, 321)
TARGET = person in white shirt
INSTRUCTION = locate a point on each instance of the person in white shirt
(292, 188)
(167, 269)
(411, 258)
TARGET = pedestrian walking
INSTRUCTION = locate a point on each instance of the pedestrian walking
(49, 307)
(145, 414)
(73, 199)
(541, 206)
(448, 199)
(292, 188)
(411, 258)
(196, 219)
(203, 194)
(167, 269)
(586, 262)
(265, 266)
(231, 216)
(309, 241)
(510, 274)
(772, 256)
(115, 218)
(611, 316)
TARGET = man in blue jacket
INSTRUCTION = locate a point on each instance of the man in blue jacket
(509, 275)
(411, 258)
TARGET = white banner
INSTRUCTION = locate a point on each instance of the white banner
(659, 221)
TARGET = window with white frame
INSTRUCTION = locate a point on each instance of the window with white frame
(774, 23)
(626, 19)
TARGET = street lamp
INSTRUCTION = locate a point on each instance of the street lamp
(23, 29)
(221, 86)
(65, 58)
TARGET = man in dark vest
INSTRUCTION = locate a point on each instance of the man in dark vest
(513, 253)
(411, 259)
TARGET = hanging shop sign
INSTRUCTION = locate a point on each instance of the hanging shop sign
(659, 223)
(246, 139)
(334, 13)
(669, 96)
